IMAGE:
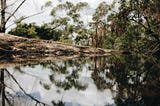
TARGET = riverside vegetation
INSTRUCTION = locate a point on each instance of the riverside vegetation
(126, 32)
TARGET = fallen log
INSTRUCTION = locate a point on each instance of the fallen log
(11, 44)
(16, 51)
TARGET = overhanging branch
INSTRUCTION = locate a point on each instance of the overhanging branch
(139, 23)
(11, 4)
(26, 18)
(15, 10)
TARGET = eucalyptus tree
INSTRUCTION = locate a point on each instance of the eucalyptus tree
(99, 24)
(136, 25)
(66, 25)
(6, 15)
(67, 17)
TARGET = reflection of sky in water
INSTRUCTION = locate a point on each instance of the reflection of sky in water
(30, 81)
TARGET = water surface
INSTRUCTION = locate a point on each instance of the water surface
(116, 80)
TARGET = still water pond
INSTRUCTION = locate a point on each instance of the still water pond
(117, 80)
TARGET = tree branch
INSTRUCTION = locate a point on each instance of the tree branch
(15, 10)
(25, 18)
(10, 14)
(139, 23)
(36, 100)
(8, 101)
(33, 15)
(11, 4)
(147, 22)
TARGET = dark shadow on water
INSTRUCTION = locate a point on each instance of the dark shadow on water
(138, 79)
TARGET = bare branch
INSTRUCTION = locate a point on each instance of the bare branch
(26, 18)
(11, 4)
(10, 14)
(15, 10)
(36, 100)
(33, 15)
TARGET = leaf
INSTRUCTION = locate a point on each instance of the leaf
(53, 12)
(48, 4)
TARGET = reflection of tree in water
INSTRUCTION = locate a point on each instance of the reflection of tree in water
(138, 80)
(69, 76)
(12, 100)
(100, 68)
(2, 87)
(69, 71)
(60, 103)
(136, 77)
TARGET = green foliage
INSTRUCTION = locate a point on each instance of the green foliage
(70, 22)
(100, 24)
(65, 40)
(48, 4)
(34, 31)
(19, 20)
(70, 70)
(137, 80)
(133, 27)
(23, 30)
(101, 12)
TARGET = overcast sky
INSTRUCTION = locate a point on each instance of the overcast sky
(34, 6)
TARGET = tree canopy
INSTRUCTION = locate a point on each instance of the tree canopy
(133, 27)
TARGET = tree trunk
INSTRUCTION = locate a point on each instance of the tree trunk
(3, 21)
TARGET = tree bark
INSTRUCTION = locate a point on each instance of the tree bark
(16, 50)
(3, 21)
(19, 45)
